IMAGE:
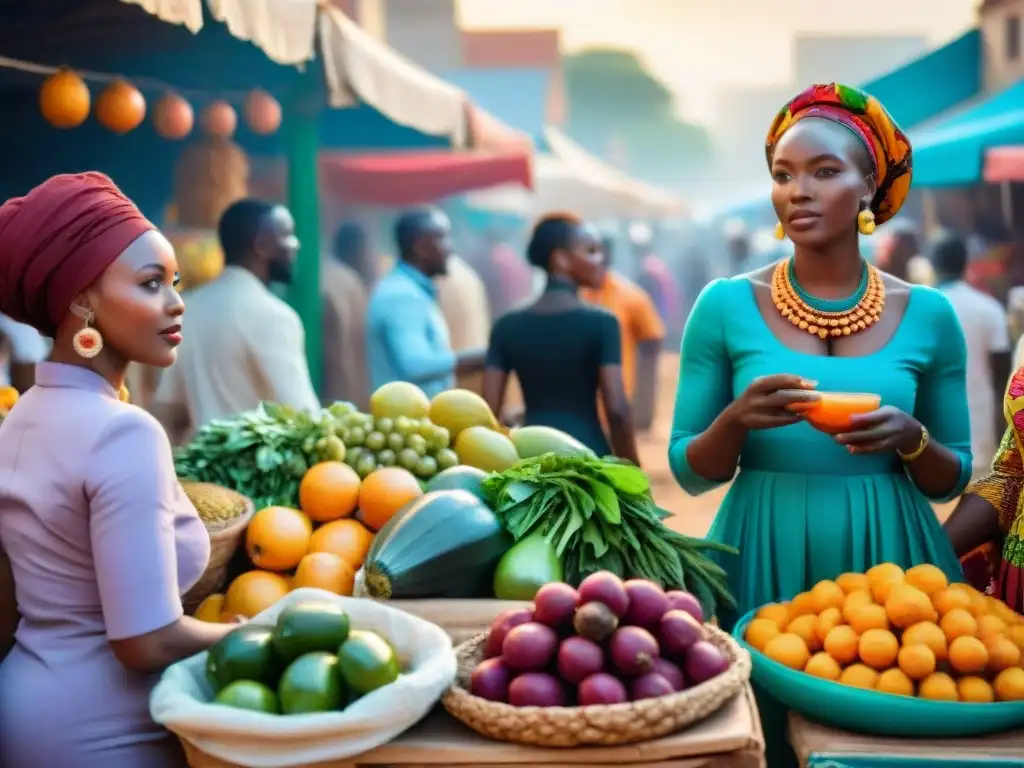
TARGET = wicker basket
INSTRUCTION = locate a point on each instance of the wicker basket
(596, 725)
(224, 541)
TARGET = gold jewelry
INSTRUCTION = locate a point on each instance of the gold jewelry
(87, 342)
(780, 233)
(906, 458)
(866, 222)
(824, 324)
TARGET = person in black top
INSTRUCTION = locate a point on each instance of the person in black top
(565, 353)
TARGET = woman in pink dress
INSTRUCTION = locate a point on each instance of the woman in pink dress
(98, 538)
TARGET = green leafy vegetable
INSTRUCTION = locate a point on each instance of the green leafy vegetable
(262, 453)
(599, 515)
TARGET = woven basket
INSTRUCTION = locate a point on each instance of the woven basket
(224, 540)
(603, 725)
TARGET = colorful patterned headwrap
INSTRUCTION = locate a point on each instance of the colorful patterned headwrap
(867, 118)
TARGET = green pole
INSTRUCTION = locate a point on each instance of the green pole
(304, 202)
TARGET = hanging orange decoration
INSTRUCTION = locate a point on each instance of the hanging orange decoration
(64, 100)
(262, 112)
(219, 119)
(173, 117)
(121, 107)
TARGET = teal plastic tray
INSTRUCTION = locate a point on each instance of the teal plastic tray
(881, 714)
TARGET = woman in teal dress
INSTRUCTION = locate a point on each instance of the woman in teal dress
(804, 505)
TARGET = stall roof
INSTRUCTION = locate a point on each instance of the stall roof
(1004, 164)
(952, 151)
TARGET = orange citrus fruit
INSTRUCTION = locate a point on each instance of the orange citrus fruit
(826, 621)
(774, 612)
(882, 577)
(328, 491)
(788, 649)
(323, 570)
(824, 666)
(895, 682)
(827, 594)
(859, 676)
(851, 582)
(802, 605)
(938, 686)
(347, 538)
(916, 661)
(878, 648)
(856, 599)
(277, 538)
(989, 625)
(841, 644)
(759, 632)
(212, 607)
(926, 577)
(927, 633)
(968, 655)
(804, 628)
(958, 622)
(384, 492)
(975, 689)
(1009, 684)
(253, 592)
(1003, 653)
(908, 605)
(867, 617)
(946, 600)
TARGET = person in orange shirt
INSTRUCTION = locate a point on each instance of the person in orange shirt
(642, 333)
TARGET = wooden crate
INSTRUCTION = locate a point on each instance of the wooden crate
(462, 619)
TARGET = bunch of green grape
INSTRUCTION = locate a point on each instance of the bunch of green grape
(418, 445)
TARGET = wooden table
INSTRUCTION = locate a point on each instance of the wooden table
(731, 738)
(820, 742)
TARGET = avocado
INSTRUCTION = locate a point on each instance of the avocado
(247, 653)
(248, 694)
(367, 662)
(311, 683)
(526, 567)
(312, 625)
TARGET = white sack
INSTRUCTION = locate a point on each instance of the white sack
(257, 740)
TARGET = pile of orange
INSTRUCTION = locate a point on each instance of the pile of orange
(909, 633)
(320, 545)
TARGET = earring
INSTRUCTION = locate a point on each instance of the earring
(866, 222)
(87, 342)
(780, 233)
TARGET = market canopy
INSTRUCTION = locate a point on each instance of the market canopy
(952, 151)
(1004, 164)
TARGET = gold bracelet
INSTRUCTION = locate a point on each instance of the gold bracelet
(906, 458)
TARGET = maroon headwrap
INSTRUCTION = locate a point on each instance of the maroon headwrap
(57, 240)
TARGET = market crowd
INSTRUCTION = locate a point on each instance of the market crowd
(98, 582)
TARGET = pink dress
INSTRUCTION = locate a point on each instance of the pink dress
(102, 543)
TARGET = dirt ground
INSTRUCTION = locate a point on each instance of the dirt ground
(691, 515)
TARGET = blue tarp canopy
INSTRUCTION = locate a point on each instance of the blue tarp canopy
(952, 152)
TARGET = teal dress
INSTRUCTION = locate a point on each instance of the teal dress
(802, 508)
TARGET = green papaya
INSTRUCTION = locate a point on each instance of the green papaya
(538, 440)
(527, 567)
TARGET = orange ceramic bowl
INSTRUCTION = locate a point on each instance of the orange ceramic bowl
(832, 412)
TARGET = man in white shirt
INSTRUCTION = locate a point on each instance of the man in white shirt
(988, 347)
(242, 343)
(21, 347)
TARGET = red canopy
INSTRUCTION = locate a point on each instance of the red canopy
(398, 179)
(1004, 164)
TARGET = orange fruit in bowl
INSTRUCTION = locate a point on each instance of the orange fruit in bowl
(277, 538)
(878, 648)
(824, 666)
(788, 649)
(1016, 633)
(968, 655)
(1009, 684)
(385, 491)
(865, 617)
(774, 612)
(831, 412)
(1003, 653)
(323, 570)
(926, 577)
(827, 620)
(938, 686)
(841, 644)
(759, 632)
(959, 623)
(927, 633)
(827, 594)
(975, 690)
(895, 682)
(802, 605)
(907, 605)
(328, 491)
(805, 628)
(859, 676)
(855, 600)
(851, 582)
(882, 578)
(253, 592)
(950, 598)
(989, 625)
(347, 538)
(916, 661)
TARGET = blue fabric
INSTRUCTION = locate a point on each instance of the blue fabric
(952, 152)
(796, 486)
(406, 335)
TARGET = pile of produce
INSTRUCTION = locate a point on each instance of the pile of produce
(312, 660)
(608, 642)
(265, 453)
(598, 514)
(216, 506)
(905, 633)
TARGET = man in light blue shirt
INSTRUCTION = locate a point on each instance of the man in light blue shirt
(406, 335)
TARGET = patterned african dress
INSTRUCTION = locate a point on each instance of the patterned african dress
(1002, 489)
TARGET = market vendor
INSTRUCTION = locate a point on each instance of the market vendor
(100, 542)
(991, 512)
(760, 347)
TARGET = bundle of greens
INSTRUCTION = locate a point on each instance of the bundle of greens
(599, 515)
(262, 453)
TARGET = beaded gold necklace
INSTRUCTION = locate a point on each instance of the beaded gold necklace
(835, 318)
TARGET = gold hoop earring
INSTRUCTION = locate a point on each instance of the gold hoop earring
(87, 341)
(866, 222)
(780, 233)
